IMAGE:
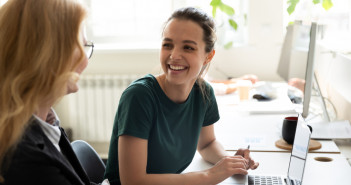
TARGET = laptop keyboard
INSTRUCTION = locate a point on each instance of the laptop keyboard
(264, 180)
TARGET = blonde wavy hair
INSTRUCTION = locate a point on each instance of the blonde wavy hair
(37, 42)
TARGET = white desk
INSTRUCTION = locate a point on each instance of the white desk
(338, 171)
(345, 148)
(235, 129)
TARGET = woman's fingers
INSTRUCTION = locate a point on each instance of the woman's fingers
(234, 165)
(239, 164)
(240, 171)
(226, 167)
(254, 166)
(246, 154)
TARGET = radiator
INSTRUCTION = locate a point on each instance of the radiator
(92, 109)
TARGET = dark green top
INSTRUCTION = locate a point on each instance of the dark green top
(172, 129)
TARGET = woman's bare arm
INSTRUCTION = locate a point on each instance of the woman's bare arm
(133, 161)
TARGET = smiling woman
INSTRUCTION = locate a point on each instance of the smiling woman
(162, 120)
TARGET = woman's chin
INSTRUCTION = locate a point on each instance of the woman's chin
(72, 89)
(72, 84)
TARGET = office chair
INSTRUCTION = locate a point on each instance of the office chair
(90, 160)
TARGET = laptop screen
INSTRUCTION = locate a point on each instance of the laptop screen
(299, 152)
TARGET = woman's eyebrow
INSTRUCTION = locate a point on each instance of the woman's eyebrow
(167, 39)
(190, 41)
(184, 41)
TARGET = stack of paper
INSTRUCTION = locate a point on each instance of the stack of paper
(331, 130)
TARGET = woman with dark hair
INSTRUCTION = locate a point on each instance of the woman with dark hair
(162, 120)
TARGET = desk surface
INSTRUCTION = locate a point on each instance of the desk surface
(323, 173)
(345, 148)
(235, 129)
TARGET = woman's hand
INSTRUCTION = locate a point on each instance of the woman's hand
(253, 78)
(226, 167)
(245, 153)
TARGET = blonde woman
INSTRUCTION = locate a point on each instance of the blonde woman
(42, 53)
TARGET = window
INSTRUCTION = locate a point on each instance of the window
(336, 22)
(138, 23)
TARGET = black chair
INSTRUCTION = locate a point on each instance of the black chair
(90, 160)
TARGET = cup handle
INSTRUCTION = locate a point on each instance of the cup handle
(310, 127)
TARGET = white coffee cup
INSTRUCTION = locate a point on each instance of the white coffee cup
(244, 87)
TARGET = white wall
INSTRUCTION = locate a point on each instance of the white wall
(260, 56)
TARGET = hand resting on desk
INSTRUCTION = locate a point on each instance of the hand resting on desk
(233, 165)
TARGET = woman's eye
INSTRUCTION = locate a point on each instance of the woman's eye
(189, 48)
(166, 45)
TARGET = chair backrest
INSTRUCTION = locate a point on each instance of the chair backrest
(90, 160)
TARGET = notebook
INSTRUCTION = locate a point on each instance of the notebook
(331, 130)
(296, 165)
(270, 107)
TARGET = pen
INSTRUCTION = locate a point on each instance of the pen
(248, 147)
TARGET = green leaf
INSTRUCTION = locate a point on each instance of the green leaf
(228, 45)
(316, 1)
(214, 11)
(292, 5)
(226, 9)
(327, 4)
(233, 24)
(291, 9)
(215, 2)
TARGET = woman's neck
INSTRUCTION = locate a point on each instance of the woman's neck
(43, 112)
(177, 93)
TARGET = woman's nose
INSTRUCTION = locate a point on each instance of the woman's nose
(176, 54)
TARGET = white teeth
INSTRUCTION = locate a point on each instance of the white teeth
(176, 67)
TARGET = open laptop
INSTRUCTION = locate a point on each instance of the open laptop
(296, 165)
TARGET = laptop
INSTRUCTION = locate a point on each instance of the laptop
(296, 165)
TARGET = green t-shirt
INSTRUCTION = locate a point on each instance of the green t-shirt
(172, 129)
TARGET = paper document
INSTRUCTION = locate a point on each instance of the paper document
(331, 130)
(271, 107)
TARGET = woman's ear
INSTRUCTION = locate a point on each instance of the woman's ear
(209, 57)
